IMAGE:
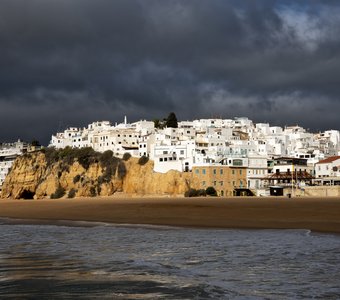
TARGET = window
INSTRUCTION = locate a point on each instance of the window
(240, 172)
(237, 162)
(203, 183)
(233, 172)
(214, 171)
(203, 171)
(182, 152)
(214, 183)
(221, 183)
(161, 159)
(221, 171)
(197, 171)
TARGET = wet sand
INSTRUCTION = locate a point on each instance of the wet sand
(317, 214)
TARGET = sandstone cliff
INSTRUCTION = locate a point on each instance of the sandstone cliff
(34, 176)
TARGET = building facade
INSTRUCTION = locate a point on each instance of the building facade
(224, 179)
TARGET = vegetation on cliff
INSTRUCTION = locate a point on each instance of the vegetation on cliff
(56, 173)
(70, 171)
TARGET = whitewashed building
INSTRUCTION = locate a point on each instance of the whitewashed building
(8, 153)
(209, 141)
(327, 171)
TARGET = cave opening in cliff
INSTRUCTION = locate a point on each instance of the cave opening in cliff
(27, 194)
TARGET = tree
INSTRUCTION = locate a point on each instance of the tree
(35, 143)
(211, 191)
(171, 121)
(158, 123)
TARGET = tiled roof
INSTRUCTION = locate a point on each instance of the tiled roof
(329, 160)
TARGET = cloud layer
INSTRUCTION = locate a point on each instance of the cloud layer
(67, 63)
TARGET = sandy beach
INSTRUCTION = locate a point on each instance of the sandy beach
(317, 214)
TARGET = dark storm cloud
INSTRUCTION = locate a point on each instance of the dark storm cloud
(67, 63)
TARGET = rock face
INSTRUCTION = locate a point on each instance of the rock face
(32, 177)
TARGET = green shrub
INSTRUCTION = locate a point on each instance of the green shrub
(101, 180)
(211, 191)
(86, 156)
(76, 178)
(106, 157)
(110, 167)
(191, 193)
(93, 192)
(126, 156)
(59, 192)
(121, 170)
(195, 193)
(51, 156)
(143, 160)
(201, 192)
(72, 193)
(67, 155)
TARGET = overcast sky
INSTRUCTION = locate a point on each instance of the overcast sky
(67, 63)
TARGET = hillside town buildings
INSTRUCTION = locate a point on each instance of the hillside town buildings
(261, 155)
(8, 153)
(267, 155)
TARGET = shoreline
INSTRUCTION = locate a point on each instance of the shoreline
(315, 214)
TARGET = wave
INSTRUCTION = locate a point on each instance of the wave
(72, 223)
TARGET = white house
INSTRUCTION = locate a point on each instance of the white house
(8, 153)
(178, 156)
(327, 171)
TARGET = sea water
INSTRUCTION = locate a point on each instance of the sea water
(90, 261)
